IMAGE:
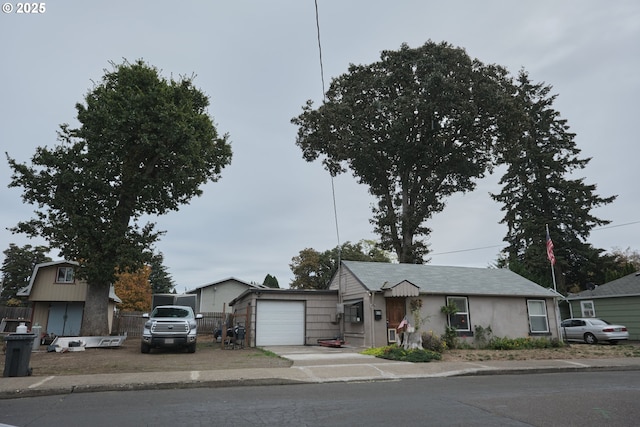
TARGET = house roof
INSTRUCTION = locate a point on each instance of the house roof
(26, 291)
(628, 285)
(435, 279)
(229, 279)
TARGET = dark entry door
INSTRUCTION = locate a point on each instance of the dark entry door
(395, 311)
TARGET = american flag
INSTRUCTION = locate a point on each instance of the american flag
(550, 255)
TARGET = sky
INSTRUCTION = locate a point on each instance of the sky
(259, 63)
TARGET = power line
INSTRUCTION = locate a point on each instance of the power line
(504, 244)
(324, 98)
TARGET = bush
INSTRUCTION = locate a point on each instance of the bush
(393, 352)
(523, 343)
(433, 342)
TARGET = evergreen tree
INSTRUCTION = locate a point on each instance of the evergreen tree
(160, 279)
(17, 268)
(270, 282)
(539, 190)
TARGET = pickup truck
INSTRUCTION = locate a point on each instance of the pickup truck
(170, 326)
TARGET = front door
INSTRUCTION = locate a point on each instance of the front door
(396, 311)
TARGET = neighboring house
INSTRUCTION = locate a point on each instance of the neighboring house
(215, 297)
(58, 298)
(617, 302)
(367, 301)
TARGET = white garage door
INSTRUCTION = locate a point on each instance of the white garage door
(280, 323)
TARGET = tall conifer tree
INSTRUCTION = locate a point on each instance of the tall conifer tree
(540, 188)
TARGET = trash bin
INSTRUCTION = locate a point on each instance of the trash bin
(18, 355)
(37, 331)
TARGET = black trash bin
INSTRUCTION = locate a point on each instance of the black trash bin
(18, 355)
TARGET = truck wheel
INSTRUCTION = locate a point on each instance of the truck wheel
(191, 348)
(144, 348)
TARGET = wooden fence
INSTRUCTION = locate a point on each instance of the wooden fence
(132, 322)
(15, 312)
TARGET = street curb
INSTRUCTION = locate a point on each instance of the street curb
(258, 382)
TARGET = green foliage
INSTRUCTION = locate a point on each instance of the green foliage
(145, 145)
(17, 267)
(527, 343)
(451, 336)
(271, 281)
(160, 279)
(415, 127)
(314, 270)
(393, 352)
(539, 188)
(482, 336)
(433, 342)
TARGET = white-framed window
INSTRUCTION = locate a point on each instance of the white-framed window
(588, 309)
(538, 322)
(460, 319)
(64, 275)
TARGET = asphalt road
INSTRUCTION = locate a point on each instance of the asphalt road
(561, 399)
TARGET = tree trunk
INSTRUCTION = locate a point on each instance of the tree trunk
(413, 340)
(95, 319)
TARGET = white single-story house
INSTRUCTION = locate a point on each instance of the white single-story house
(215, 297)
(58, 298)
(367, 301)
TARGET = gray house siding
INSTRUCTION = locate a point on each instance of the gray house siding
(320, 311)
(492, 301)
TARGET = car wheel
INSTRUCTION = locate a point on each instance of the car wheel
(589, 338)
(191, 348)
(145, 348)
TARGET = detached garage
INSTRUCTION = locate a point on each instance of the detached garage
(287, 316)
(280, 322)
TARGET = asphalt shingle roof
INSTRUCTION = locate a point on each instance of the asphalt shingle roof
(437, 279)
(624, 286)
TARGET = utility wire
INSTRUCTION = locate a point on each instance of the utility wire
(324, 99)
(504, 244)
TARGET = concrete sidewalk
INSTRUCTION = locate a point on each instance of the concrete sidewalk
(311, 364)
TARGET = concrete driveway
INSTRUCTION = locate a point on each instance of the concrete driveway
(315, 355)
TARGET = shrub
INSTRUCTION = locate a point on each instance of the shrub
(527, 343)
(393, 352)
(433, 342)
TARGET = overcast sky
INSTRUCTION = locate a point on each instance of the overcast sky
(258, 61)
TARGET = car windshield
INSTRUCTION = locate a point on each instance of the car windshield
(598, 322)
(170, 312)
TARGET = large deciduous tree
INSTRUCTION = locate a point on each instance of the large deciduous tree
(144, 146)
(314, 270)
(415, 127)
(540, 188)
(17, 267)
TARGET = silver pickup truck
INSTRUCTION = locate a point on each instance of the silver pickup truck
(170, 326)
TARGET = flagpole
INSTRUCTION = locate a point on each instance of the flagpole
(553, 273)
(552, 260)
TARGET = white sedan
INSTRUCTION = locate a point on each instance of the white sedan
(592, 330)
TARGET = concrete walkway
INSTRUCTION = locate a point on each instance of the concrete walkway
(311, 364)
